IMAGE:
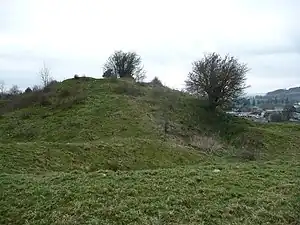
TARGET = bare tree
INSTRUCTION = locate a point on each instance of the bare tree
(141, 76)
(45, 75)
(218, 79)
(124, 64)
(14, 90)
(2, 87)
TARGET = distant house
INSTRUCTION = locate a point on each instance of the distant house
(278, 109)
(297, 107)
(296, 116)
(256, 110)
(294, 120)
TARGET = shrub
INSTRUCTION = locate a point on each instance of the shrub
(156, 82)
(276, 117)
(50, 86)
(36, 88)
(76, 77)
(45, 100)
(49, 96)
(64, 93)
(25, 101)
(28, 90)
(53, 82)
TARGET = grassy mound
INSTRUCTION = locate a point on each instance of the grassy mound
(84, 110)
(89, 151)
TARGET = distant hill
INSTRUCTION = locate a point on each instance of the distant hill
(291, 93)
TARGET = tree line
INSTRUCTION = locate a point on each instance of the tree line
(262, 102)
(218, 79)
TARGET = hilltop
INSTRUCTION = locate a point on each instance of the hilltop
(112, 151)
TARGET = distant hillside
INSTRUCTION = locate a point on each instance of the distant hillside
(292, 93)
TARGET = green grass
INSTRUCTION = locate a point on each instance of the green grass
(116, 154)
(246, 193)
(94, 151)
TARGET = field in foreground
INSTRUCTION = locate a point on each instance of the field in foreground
(244, 193)
(104, 159)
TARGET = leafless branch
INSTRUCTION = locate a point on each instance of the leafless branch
(2, 87)
(45, 75)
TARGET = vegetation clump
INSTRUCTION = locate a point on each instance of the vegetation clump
(156, 82)
(220, 80)
(124, 65)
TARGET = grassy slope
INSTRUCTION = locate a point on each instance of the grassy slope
(54, 162)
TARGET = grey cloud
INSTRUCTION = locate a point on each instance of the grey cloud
(274, 50)
(26, 56)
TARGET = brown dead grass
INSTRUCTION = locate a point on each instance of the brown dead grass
(207, 143)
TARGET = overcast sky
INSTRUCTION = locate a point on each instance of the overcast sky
(77, 36)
